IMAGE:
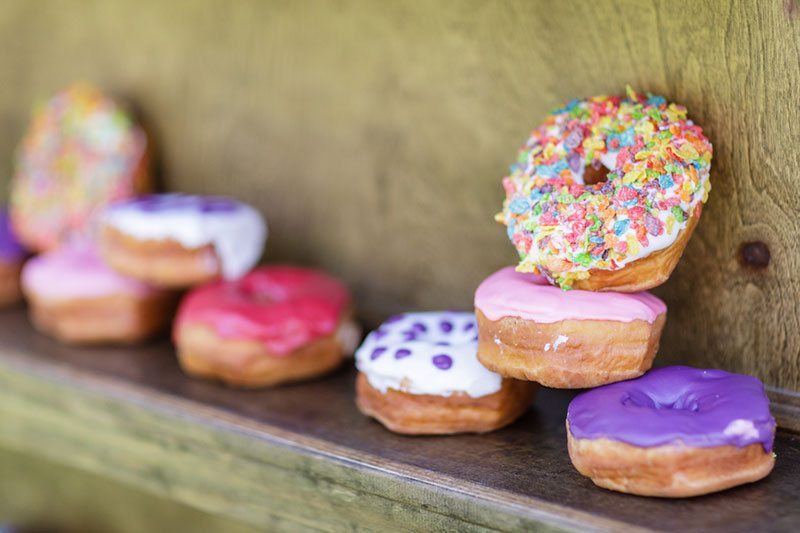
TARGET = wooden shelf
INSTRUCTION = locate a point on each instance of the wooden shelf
(303, 457)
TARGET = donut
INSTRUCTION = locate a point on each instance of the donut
(12, 255)
(277, 324)
(81, 151)
(623, 234)
(418, 375)
(75, 298)
(529, 329)
(675, 432)
(180, 240)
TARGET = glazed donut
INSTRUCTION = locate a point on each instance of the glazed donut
(529, 329)
(625, 234)
(75, 298)
(275, 325)
(675, 432)
(418, 375)
(82, 151)
(179, 240)
(12, 255)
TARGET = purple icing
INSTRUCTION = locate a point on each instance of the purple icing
(10, 247)
(401, 353)
(442, 361)
(180, 201)
(701, 408)
(377, 352)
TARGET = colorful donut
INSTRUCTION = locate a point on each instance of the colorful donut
(627, 233)
(12, 255)
(75, 298)
(276, 324)
(82, 151)
(675, 432)
(180, 240)
(529, 329)
(419, 374)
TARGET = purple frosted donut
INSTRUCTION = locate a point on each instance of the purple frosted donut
(12, 254)
(675, 432)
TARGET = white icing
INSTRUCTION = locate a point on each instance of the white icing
(238, 235)
(743, 429)
(416, 373)
(559, 341)
(348, 334)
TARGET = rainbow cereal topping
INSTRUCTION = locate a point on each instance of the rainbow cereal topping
(81, 152)
(658, 165)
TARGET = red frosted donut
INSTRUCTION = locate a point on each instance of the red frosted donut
(274, 325)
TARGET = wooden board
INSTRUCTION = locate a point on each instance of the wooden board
(374, 134)
(42, 496)
(303, 457)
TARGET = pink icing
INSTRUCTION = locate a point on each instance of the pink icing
(76, 272)
(283, 307)
(511, 293)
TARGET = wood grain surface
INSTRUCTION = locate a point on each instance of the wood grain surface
(374, 134)
(302, 457)
(43, 496)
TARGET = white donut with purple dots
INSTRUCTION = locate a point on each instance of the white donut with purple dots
(419, 374)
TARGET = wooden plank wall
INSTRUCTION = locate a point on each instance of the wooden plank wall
(374, 134)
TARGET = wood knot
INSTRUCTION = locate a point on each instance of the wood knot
(754, 254)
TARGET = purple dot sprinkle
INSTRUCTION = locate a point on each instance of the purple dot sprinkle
(442, 361)
(377, 352)
(379, 333)
(446, 326)
(469, 325)
(410, 336)
(419, 326)
(401, 353)
(442, 343)
(393, 318)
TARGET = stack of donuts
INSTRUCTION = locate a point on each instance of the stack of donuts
(114, 259)
(600, 205)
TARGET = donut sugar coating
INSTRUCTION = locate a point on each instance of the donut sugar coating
(624, 234)
(180, 240)
(12, 255)
(418, 375)
(82, 151)
(277, 324)
(75, 298)
(675, 432)
(531, 330)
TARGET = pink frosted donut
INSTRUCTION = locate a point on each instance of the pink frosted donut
(529, 329)
(76, 298)
(273, 325)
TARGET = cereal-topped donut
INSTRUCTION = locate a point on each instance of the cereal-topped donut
(419, 374)
(180, 240)
(81, 151)
(625, 233)
(274, 325)
(675, 432)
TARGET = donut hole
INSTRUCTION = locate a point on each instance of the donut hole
(595, 173)
(685, 402)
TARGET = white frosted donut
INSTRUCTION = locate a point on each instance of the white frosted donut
(236, 230)
(427, 353)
